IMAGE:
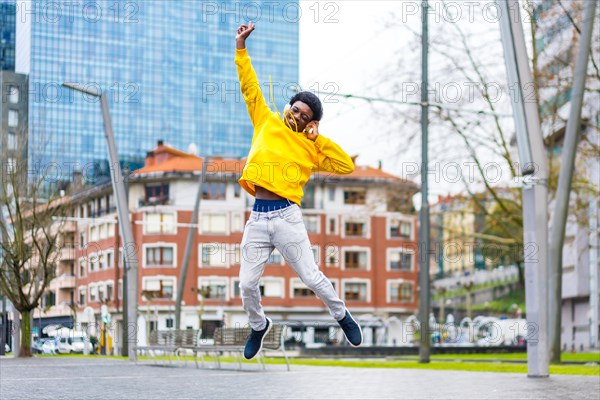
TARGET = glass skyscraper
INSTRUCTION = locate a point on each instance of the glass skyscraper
(168, 67)
(7, 36)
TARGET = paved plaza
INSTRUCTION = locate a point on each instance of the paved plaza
(105, 378)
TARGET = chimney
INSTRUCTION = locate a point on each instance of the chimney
(379, 163)
(161, 142)
(149, 159)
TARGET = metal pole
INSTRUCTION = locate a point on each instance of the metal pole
(188, 247)
(125, 225)
(123, 215)
(593, 241)
(424, 348)
(567, 162)
(125, 348)
(532, 155)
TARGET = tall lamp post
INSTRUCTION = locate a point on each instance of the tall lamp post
(123, 213)
(424, 291)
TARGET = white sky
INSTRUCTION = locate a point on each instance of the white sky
(353, 49)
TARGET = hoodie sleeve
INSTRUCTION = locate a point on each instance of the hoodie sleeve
(332, 158)
(258, 110)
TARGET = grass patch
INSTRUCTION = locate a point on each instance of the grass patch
(495, 362)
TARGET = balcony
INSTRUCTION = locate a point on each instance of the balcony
(67, 253)
(58, 310)
(69, 226)
(64, 281)
(154, 201)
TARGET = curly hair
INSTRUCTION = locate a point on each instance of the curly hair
(311, 101)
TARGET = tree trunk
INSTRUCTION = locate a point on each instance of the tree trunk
(25, 349)
(520, 267)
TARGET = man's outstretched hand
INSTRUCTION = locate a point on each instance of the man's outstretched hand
(242, 34)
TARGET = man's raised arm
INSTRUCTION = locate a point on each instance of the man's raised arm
(255, 101)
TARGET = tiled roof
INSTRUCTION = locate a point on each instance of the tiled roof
(166, 159)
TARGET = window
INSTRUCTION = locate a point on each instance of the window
(120, 289)
(13, 94)
(160, 256)
(49, 299)
(214, 289)
(93, 261)
(331, 225)
(214, 255)
(13, 118)
(159, 223)
(110, 229)
(400, 260)
(93, 293)
(308, 201)
(355, 196)
(161, 288)
(169, 322)
(82, 295)
(312, 223)
(400, 229)
(110, 258)
(355, 259)
(331, 193)
(102, 293)
(401, 292)
(300, 290)
(82, 268)
(316, 253)
(157, 194)
(213, 191)
(12, 141)
(236, 288)
(237, 190)
(275, 258)
(208, 328)
(11, 165)
(355, 228)
(82, 240)
(102, 231)
(214, 223)
(237, 222)
(271, 288)
(102, 261)
(109, 291)
(355, 291)
(332, 256)
(93, 234)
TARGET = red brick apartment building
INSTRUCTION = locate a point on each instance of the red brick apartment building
(360, 225)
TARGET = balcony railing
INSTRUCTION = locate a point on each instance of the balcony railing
(64, 281)
(154, 201)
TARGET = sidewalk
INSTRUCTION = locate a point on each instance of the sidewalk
(105, 378)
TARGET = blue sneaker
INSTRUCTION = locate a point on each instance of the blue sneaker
(254, 343)
(351, 330)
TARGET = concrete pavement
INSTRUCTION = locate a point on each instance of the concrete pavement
(105, 378)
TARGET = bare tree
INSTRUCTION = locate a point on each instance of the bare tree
(474, 125)
(32, 215)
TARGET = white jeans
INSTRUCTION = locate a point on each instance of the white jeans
(284, 230)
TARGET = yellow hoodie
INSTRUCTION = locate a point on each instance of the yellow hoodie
(280, 159)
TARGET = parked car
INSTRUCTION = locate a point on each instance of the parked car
(36, 346)
(73, 344)
(50, 346)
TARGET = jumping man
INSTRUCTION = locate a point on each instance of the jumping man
(285, 151)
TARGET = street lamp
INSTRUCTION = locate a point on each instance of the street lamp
(123, 213)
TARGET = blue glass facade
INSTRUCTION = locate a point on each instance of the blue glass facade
(167, 67)
(7, 36)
